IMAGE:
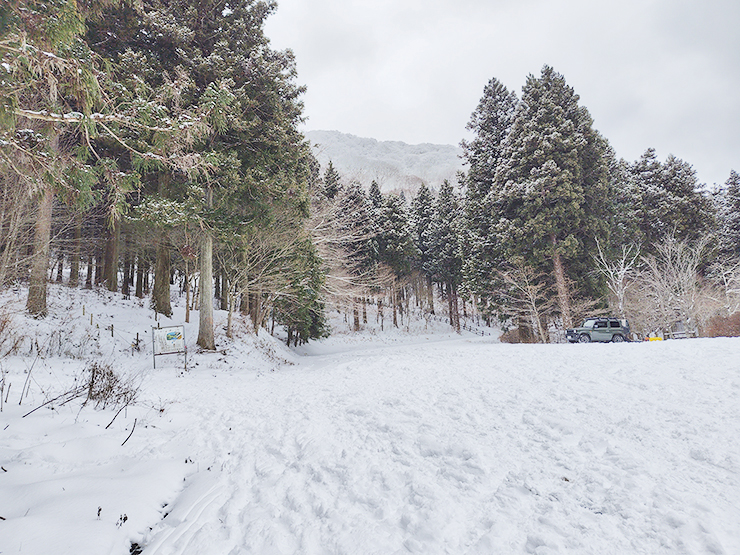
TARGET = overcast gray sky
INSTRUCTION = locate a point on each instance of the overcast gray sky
(653, 73)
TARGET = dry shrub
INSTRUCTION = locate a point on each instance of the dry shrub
(10, 341)
(510, 336)
(513, 335)
(723, 326)
(105, 387)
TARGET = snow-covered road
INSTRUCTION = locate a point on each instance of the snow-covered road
(450, 446)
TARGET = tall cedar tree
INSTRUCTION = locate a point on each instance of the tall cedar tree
(445, 261)
(422, 214)
(490, 122)
(730, 218)
(665, 199)
(552, 187)
(238, 97)
(48, 90)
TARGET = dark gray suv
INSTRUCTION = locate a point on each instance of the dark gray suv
(600, 329)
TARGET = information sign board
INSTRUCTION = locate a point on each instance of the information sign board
(169, 341)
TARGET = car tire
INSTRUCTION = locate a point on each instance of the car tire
(584, 338)
(617, 338)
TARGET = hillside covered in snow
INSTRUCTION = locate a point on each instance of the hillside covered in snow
(396, 166)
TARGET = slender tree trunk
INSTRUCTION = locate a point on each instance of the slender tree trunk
(230, 317)
(217, 285)
(89, 276)
(140, 276)
(74, 263)
(161, 294)
(187, 292)
(225, 291)
(98, 266)
(255, 309)
(450, 310)
(394, 300)
(127, 266)
(356, 317)
(36, 303)
(111, 256)
(561, 284)
(60, 268)
(430, 293)
(206, 339)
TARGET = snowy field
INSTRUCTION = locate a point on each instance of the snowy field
(405, 442)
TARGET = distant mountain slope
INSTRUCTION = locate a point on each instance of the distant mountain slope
(396, 166)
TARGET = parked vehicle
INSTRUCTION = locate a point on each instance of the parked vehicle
(600, 329)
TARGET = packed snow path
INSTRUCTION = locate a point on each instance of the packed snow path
(456, 446)
(466, 447)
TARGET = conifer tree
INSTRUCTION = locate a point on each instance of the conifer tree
(422, 214)
(491, 123)
(445, 261)
(236, 107)
(552, 186)
(729, 218)
(376, 200)
(358, 230)
(332, 182)
(664, 199)
(395, 243)
(48, 90)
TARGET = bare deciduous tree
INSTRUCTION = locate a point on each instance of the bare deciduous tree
(528, 298)
(670, 292)
(619, 273)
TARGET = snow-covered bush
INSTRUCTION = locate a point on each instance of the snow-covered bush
(107, 387)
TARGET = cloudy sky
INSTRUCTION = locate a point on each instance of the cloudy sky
(653, 73)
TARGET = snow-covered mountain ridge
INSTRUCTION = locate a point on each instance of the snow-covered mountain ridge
(395, 165)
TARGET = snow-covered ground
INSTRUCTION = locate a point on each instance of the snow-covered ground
(378, 443)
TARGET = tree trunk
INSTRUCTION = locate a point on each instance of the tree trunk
(561, 284)
(206, 339)
(98, 266)
(225, 291)
(430, 294)
(356, 317)
(455, 309)
(111, 256)
(140, 264)
(60, 268)
(255, 310)
(127, 265)
(161, 294)
(74, 263)
(450, 308)
(36, 303)
(89, 277)
(187, 292)
(230, 317)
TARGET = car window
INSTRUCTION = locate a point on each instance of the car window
(613, 323)
(588, 323)
(601, 324)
